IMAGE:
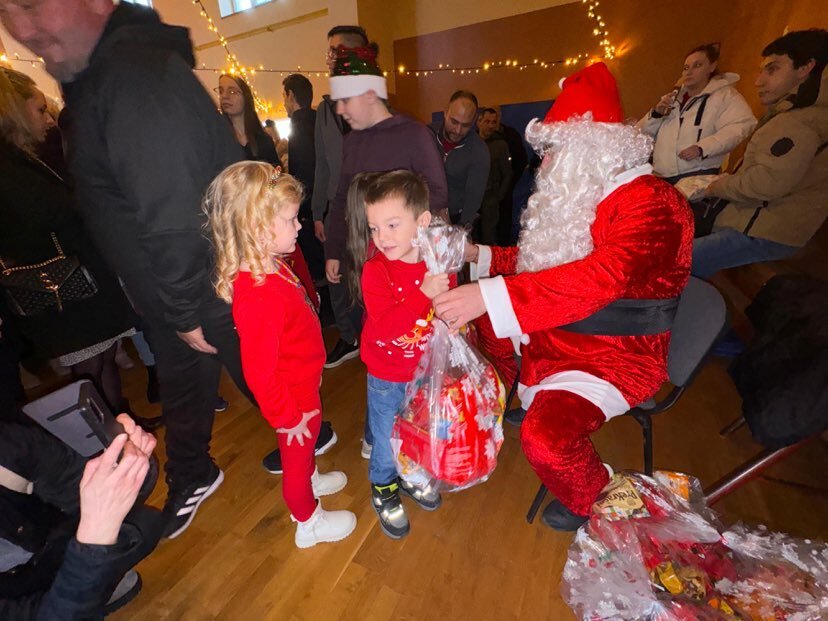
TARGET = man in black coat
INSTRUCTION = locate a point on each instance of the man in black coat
(144, 141)
(298, 95)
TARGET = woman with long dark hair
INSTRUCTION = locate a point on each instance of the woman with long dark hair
(239, 108)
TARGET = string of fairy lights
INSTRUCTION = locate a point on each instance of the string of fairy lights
(6, 60)
(246, 73)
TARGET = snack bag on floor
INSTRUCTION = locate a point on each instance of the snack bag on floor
(450, 429)
(653, 551)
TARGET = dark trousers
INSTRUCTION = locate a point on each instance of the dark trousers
(348, 315)
(189, 384)
(312, 249)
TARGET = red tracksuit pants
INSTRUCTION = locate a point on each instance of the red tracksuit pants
(298, 464)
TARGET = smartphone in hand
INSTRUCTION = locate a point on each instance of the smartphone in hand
(78, 416)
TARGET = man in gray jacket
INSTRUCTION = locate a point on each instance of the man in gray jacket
(330, 131)
(465, 156)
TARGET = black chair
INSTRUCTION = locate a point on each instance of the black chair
(700, 320)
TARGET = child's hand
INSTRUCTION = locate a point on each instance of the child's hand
(434, 284)
(300, 431)
(471, 253)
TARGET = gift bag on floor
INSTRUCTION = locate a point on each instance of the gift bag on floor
(450, 428)
(652, 551)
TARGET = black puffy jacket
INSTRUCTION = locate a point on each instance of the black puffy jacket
(783, 377)
(144, 141)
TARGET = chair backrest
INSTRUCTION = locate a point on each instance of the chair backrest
(700, 319)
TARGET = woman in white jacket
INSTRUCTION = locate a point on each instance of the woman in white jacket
(697, 125)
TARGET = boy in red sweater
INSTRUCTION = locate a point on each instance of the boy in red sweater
(397, 292)
(253, 213)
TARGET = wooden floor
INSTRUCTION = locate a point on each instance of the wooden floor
(475, 558)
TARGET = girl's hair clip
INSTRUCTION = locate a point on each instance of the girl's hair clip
(277, 172)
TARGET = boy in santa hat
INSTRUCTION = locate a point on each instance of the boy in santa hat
(591, 289)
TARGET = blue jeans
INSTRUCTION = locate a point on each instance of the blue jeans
(384, 401)
(730, 248)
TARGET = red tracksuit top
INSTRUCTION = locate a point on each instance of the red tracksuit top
(282, 351)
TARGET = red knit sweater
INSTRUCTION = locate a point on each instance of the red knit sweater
(396, 327)
(281, 345)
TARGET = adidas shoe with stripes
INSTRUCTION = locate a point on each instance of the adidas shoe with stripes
(181, 505)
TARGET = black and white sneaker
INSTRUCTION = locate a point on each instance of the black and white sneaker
(386, 502)
(272, 462)
(181, 505)
(427, 497)
(342, 352)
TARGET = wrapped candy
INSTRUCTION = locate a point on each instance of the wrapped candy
(652, 551)
(450, 428)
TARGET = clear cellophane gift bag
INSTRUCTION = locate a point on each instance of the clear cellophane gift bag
(653, 551)
(450, 428)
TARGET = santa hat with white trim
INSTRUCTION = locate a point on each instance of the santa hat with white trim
(356, 72)
(590, 94)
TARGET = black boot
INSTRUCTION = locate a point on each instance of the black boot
(153, 395)
(515, 417)
(558, 517)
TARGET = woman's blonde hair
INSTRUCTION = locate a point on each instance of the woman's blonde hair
(369, 188)
(15, 89)
(241, 204)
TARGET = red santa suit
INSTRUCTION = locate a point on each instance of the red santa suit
(571, 383)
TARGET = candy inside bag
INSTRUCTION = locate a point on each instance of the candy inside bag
(653, 551)
(450, 428)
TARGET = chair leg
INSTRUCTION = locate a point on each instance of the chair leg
(512, 391)
(647, 431)
(736, 424)
(747, 472)
(536, 503)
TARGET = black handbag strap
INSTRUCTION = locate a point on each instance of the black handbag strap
(22, 268)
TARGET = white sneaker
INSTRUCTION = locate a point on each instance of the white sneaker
(328, 483)
(324, 526)
(366, 450)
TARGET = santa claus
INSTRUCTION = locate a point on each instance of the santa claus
(589, 292)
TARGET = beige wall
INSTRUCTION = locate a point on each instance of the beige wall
(652, 36)
(389, 20)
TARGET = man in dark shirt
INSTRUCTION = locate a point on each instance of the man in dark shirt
(500, 175)
(298, 95)
(329, 134)
(465, 157)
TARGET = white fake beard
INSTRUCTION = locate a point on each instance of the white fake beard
(583, 158)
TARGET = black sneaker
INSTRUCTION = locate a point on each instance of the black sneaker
(342, 352)
(428, 498)
(181, 505)
(272, 462)
(515, 417)
(386, 502)
(125, 591)
(558, 517)
(221, 404)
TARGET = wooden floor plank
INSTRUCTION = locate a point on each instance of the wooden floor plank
(474, 558)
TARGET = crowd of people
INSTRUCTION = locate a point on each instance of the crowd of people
(113, 246)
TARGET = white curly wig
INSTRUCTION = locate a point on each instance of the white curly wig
(580, 159)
